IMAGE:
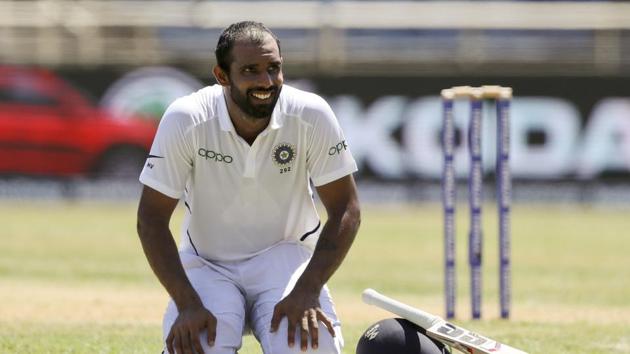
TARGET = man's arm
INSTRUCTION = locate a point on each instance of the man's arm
(301, 306)
(154, 214)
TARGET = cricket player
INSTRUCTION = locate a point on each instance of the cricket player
(253, 252)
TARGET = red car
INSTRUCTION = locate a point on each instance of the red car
(47, 128)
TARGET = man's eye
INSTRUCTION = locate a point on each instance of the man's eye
(274, 68)
(249, 70)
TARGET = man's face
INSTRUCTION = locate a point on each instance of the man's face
(256, 77)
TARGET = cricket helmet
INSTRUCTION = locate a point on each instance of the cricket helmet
(397, 336)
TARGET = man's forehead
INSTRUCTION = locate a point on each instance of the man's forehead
(252, 46)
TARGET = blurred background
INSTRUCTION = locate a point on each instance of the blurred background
(83, 84)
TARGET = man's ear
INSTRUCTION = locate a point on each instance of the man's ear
(220, 75)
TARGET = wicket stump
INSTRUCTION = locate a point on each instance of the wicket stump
(476, 95)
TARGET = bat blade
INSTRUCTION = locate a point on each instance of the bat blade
(437, 328)
(467, 341)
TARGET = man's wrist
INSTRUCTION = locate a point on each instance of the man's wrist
(187, 301)
(305, 285)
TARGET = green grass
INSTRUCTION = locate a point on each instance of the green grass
(73, 278)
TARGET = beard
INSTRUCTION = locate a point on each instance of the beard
(246, 103)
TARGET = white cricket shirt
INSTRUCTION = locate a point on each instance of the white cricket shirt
(241, 200)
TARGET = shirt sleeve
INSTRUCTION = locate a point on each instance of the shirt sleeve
(328, 156)
(170, 161)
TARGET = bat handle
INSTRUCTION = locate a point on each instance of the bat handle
(419, 317)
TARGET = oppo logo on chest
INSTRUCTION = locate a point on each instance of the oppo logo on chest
(210, 155)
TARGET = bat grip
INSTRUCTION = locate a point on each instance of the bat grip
(419, 317)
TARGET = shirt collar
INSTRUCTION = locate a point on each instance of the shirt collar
(226, 123)
(224, 117)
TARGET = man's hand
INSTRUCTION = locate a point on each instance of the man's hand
(184, 334)
(303, 311)
(301, 306)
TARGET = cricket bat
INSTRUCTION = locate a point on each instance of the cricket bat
(438, 329)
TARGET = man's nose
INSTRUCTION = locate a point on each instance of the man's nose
(265, 79)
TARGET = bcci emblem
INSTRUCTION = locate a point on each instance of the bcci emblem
(283, 154)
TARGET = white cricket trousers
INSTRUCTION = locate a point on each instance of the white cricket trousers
(243, 295)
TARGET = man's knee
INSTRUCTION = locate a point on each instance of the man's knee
(327, 344)
(229, 332)
(218, 348)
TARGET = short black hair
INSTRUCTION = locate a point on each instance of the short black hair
(250, 30)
